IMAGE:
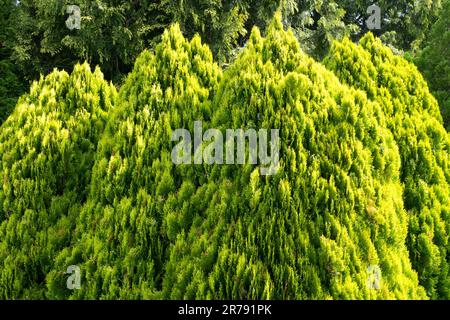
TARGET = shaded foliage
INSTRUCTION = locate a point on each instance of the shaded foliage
(112, 34)
(11, 85)
(434, 62)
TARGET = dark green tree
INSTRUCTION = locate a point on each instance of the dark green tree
(11, 85)
(111, 34)
(404, 23)
(121, 244)
(220, 23)
(434, 62)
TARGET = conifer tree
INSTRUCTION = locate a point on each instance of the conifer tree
(111, 34)
(434, 62)
(333, 209)
(11, 87)
(414, 118)
(220, 23)
(121, 241)
(47, 149)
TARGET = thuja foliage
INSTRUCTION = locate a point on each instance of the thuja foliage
(333, 209)
(11, 87)
(362, 180)
(414, 118)
(47, 149)
(121, 242)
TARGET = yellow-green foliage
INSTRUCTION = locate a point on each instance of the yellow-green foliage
(120, 241)
(363, 179)
(414, 118)
(47, 149)
(333, 209)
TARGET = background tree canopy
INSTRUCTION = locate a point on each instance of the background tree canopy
(113, 33)
(434, 61)
(11, 84)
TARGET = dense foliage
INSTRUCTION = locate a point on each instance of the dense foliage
(47, 149)
(88, 179)
(333, 209)
(119, 238)
(414, 118)
(113, 33)
(11, 86)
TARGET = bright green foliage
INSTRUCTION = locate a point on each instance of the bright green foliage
(120, 243)
(333, 209)
(47, 149)
(434, 62)
(413, 117)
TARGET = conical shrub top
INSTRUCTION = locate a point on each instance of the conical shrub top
(121, 240)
